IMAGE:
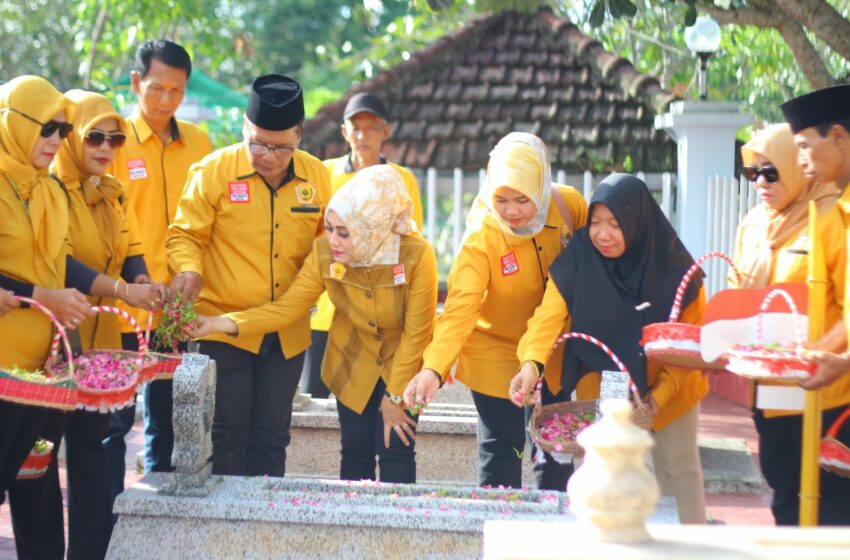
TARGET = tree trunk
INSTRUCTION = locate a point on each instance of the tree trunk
(807, 57)
(769, 14)
(821, 19)
(95, 39)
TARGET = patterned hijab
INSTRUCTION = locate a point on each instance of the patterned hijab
(101, 193)
(47, 206)
(376, 209)
(519, 161)
(777, 227)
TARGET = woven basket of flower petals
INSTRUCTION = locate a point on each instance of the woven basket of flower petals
(107, 379)
(834, 455)
(554, 427)
(37, 462)
(43, 388)
(772, 362)
(678, 344)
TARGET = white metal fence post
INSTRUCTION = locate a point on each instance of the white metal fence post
(457, 211)
(431, 186)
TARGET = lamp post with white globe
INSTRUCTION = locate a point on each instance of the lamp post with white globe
(703, 39)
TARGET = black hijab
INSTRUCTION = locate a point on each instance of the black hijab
(602, 293)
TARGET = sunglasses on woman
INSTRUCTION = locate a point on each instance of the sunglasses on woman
(752, 172)
(96, 138)
(49, 128)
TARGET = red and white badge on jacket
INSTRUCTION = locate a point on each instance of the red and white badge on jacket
(136, 169)
(240, 191)
(398, 275)
(509, 264)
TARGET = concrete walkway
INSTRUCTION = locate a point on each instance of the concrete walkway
(725, 430)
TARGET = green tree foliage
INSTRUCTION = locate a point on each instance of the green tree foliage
(754, 65)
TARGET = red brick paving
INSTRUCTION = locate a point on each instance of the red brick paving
(719, 418)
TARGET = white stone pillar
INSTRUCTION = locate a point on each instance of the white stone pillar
(705, 133)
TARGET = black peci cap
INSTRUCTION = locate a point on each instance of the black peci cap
(827, 105)
(276, 102)
(365, 103)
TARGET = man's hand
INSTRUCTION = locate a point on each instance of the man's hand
(188, 284)
(830, 368)
(205, 325)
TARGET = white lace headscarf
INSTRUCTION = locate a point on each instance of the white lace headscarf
(377, 211)
(519, 161)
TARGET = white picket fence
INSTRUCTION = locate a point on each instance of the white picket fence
(729, 200)
(448, 195)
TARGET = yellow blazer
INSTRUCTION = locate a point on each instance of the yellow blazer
(321, 320)
(383, 320)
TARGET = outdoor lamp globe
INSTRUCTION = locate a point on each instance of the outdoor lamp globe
(703, 38)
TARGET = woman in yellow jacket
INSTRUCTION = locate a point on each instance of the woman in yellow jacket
(617, 275)
(381, 276)
(772, 246)
(104, 236)
(518, 224)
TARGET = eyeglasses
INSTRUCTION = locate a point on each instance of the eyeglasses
(261, 149)
(96, 138)
(49, 128)
(752, 172)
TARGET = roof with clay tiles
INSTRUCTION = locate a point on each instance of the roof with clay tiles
(451, 102)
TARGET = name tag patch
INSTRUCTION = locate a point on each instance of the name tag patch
(239, 191)
(398, 275)
(137, 170)
(509, 264)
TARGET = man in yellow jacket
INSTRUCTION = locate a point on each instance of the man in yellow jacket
(820, 121)
(153, 166)
(365, 128)
(244, 226)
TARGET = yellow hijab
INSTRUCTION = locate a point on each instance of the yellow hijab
(46, 203)
(519, 161)
(101, 193)
(776, 143)
(377, 211)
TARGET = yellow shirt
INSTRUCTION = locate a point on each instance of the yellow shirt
(382, 326)
(341, 172)
(790, 264)
(90, 247)
(494, 285)
(675, 390)
(155, 175)
(247, 241)
(843, 206)
(25, 334)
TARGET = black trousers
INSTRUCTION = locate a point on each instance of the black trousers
(253, 407)
(362, 438)
(311, 375)
(20, 426)
(780, 452)
(37, 504)
(501, 445)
